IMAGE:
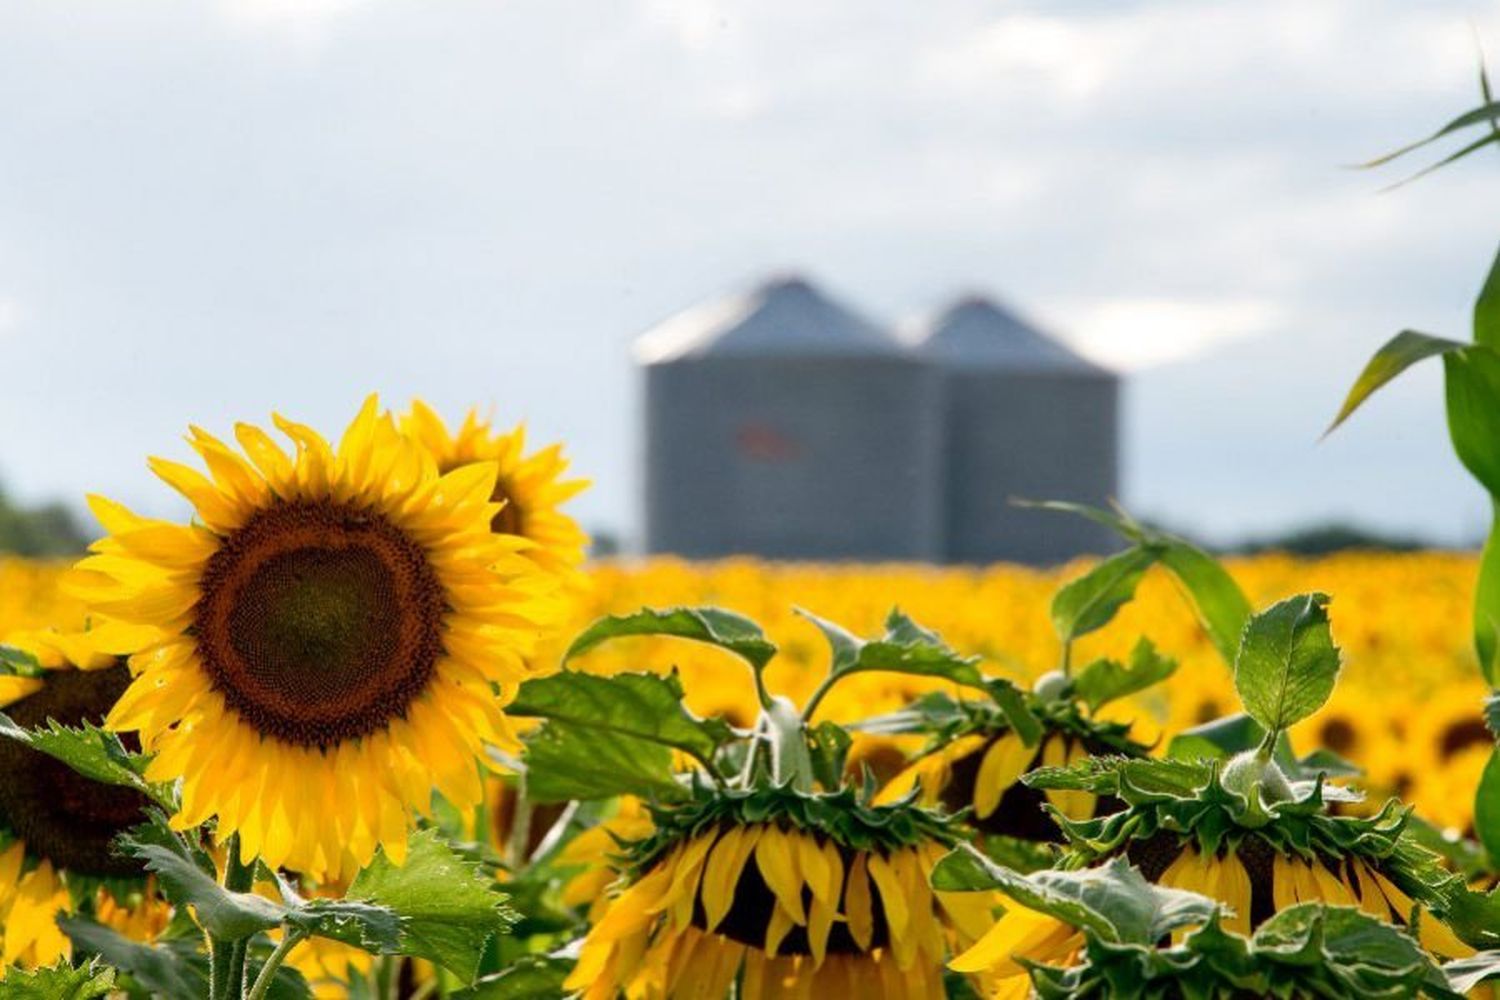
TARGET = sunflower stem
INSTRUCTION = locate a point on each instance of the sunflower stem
(289, 940)
(824, 686)
(520, 833)
(227, 958)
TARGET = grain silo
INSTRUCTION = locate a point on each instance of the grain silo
(1024, 417)
(781, 424)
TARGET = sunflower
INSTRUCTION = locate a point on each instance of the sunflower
(592, 851)
(57, 827)
(975, 760)
(985, 771)
(781, 901)
(333, 637)
(1191, 838)
(530, 488)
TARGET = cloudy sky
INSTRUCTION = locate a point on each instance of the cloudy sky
(210, 210)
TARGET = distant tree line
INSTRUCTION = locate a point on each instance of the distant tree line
(49, 529)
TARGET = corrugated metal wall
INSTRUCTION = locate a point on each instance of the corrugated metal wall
(843, 444)
(794, 459)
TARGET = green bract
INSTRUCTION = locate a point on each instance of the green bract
(846, 817)
(1171, 803)
(1308, 950)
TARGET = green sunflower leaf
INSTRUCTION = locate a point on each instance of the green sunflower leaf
(1287, 663)
(1114, 901)
(1221, 606)
(1090, 601)
(715, 626)
(604, 736)
(1105, 680)
(1465, 974)
(18, 663)
(225, 914)
(92, 752)
(449, 909)
(59, 982)
(828, 744)
(1016, 707)
(1219, 603)
(161, 971)
(533, 977)
(905, 648)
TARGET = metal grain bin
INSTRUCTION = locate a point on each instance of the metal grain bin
(1024, 417)
(781, 424)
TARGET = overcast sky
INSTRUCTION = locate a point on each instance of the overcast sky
(210, 210)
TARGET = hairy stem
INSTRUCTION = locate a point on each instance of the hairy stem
(289, 940)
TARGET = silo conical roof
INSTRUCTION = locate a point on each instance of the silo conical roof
(975, 332)
(784, 317)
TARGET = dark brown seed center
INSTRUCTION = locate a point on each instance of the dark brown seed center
(319, 622)
(61, 815)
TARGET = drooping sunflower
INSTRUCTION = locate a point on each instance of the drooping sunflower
(335, 635)
(530, 487)
(593, 850)
(978, 751)
(1185, 829)
(984, 771)
(770, 889)
(1127, 937)
(56, 826)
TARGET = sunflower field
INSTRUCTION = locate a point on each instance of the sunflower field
(367, 724)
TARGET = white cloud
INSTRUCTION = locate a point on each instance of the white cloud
(1133, 333)
(10, 315)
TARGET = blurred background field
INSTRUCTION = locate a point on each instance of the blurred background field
(1407, 709)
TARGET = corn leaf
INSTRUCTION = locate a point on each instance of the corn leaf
(1399, 353)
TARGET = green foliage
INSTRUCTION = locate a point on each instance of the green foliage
(1090, 601)
(1287, 663)
(1487, 807)
(1232, 734)
(49, 530)
(1105, 680)
(18, 663)
(438, 905)
(1466, 974)
(1399, 353)
(828, 744)
(1307, 950)
(1485, 118)
(92, 752)
(1113, 901)
(59, 982)
(225, 914)
(1472, 392)
(448, 908)
(905, 648)
(533, 977)
(1472, 381)
(1219, 603)
(606, 736)
(846, 817)
(1188, 800)
(175, 968)
(715, 626)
